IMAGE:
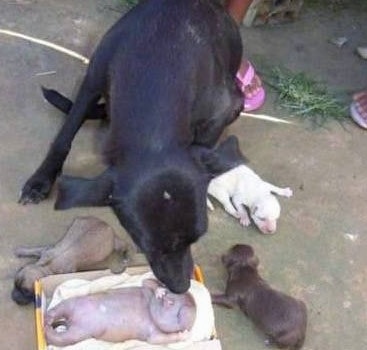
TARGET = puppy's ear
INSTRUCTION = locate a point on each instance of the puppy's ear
(254, 209)
(22, 297)
(79, 192)
(228, 260)
(224, 157)
(20, 294)
(152, 283)
(253, 261)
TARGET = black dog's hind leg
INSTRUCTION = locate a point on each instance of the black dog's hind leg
(228, 101)
(215, 161)
(96, 111)
(40, 183)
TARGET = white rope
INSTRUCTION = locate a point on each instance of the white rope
(85, 60)
(74, 54)
(265, 117)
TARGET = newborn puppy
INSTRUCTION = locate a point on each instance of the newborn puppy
(282, 317)
(88, 244)
(149, 313)
(242, 186)
(274, 12)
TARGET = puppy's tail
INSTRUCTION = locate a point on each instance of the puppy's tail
(97, 111)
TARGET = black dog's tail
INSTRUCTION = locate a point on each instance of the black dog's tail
(98, 111)
(57, 100)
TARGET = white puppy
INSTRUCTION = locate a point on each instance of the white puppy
(242, 186)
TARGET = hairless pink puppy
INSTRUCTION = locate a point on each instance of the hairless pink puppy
(149, 313)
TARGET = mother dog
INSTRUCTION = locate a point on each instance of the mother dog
(167, 71)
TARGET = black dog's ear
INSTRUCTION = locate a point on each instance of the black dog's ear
(226, 156)
(79, 192)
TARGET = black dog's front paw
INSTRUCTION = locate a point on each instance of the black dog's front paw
(35, 190)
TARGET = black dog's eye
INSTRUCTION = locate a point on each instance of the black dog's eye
(112, 201)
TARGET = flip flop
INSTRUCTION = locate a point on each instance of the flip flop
(244, 79)
(358, 109)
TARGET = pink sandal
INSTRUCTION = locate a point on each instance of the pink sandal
(358, 109)
(244, 79)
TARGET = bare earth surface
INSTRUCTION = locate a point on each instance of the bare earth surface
(319, 251)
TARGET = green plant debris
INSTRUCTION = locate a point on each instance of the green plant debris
(306, 98)
(130, 3)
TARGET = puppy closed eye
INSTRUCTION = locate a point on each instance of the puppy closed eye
(253, 213)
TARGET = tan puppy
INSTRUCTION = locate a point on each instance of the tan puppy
(88, 244)
(240, 187)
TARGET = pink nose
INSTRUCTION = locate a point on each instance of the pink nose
(269, 228)
(268, 231)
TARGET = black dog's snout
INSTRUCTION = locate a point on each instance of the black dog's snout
(174, 270)
(178, 287)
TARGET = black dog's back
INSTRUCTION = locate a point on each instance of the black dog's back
(186, 67)
(187, 76)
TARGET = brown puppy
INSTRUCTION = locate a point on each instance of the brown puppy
(282, 317)
(148, 313)
(88, 244)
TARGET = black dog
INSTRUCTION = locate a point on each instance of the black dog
(282, 317)
(167, 71)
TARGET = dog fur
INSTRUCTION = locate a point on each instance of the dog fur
(281, 317)
(88, 244)
(167, 72)
(242, 186)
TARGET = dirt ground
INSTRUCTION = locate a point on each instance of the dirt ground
(318, 252)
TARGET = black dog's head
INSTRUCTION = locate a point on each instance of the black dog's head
(164, 214)
(162, 208)
(159, 200)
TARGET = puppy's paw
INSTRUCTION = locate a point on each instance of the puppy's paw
(160, 292)
(244, 220)
(287, 192)
(182, 336)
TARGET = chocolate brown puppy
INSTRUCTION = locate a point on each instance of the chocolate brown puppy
(88, 244)
(149, 313)
(281, 317)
